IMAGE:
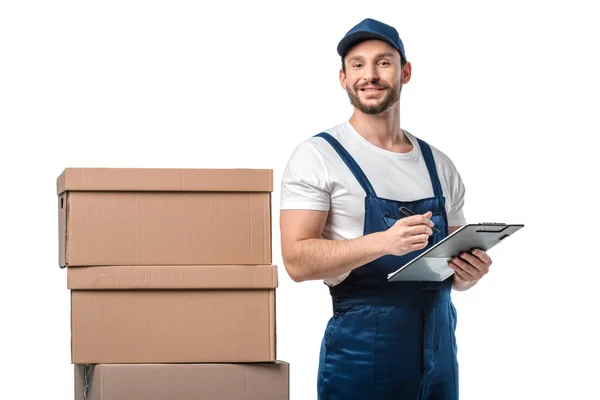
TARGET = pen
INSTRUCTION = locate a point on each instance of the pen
(409, 213)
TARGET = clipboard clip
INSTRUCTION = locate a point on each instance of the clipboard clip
(492, 227)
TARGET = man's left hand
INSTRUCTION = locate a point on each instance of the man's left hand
(470, 267)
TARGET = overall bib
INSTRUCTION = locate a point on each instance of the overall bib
(390, 340)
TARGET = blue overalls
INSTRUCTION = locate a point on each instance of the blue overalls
(390, 340)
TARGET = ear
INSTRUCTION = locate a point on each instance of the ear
(342, 79)
(406, 73)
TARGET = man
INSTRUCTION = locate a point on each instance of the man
(340, 222)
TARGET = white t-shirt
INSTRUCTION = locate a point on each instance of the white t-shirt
(316, 178)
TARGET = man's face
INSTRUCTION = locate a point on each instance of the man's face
(373, 77)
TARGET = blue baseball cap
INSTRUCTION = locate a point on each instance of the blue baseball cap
(371, 29)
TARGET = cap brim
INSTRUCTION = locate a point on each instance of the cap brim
(354, 38)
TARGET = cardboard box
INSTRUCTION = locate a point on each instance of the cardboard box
(172, 314)
(164, 216)
(268, 381)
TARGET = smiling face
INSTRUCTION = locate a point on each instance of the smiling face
(373, 76)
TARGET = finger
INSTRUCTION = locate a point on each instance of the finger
(475, 262)
(419, 245)
(423, 237)
(417, 231)
(465, 269)
(483, 256)
(420, 229)
(459, 272)
(418, 220)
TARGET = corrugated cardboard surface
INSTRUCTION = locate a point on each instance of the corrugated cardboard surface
(168, 326)
(174, 277)
(165, 179)
(269, 381)
(173, 314)
(164, 228)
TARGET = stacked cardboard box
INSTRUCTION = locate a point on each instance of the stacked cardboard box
(172, 287)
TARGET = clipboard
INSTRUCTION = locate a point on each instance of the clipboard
(432, 264)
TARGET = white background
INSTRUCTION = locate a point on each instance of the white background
(509, 90)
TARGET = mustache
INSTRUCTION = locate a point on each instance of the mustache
(373, 85)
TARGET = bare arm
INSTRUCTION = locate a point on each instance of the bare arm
(307, 256)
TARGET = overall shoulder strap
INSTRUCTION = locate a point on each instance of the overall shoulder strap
(350, 162)
(430, 162)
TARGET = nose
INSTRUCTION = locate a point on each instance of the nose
(371, 74)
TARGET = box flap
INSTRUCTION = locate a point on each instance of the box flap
(165, 179)
(173, 277)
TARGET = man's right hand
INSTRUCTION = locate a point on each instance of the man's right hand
(307, 256)
(409, 234)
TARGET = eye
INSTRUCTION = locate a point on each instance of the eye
(384, 63)
(357, 65)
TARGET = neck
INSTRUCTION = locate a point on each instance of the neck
(383, 129)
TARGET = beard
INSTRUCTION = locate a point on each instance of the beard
(392, 95)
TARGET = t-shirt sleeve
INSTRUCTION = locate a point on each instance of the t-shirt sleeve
(456, 216)
(304, 184)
